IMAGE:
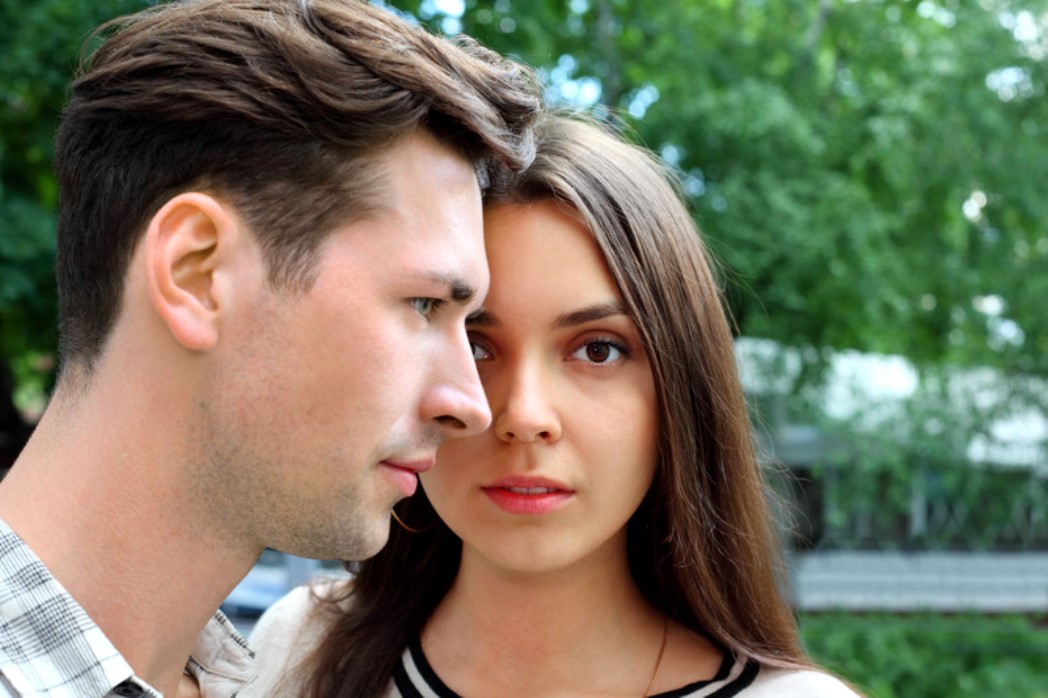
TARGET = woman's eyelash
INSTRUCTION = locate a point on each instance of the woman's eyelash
(616, 345)
(621, 346)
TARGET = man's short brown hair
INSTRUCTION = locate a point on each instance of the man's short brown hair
(278, 106)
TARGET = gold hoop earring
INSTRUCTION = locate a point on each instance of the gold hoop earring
(407, 528)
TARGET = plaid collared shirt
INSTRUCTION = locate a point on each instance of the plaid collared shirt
(50, 647)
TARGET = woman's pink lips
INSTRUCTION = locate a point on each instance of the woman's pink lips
(528, 496)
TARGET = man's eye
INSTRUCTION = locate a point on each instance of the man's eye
(426, 306)
(479, 352)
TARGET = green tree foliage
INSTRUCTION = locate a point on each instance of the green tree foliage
(961, 656)
(39, 50)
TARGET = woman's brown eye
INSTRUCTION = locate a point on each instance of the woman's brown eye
(598, 352)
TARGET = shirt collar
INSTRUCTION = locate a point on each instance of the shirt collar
(221, 660)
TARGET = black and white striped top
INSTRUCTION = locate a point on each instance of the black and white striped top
(415, 678)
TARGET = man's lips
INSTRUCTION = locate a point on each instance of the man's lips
(405, 473)
(418, 465)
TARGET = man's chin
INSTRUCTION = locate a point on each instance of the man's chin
(367, 541)
(354, 540)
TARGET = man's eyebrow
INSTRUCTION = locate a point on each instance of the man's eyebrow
(458, 290)
(593, 312)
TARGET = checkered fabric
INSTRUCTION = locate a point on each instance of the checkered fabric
(48, 644)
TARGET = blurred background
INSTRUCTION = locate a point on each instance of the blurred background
(871, 175)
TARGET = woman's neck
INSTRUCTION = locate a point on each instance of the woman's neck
(585, 629)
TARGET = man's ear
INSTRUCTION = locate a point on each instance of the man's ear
(185, 245)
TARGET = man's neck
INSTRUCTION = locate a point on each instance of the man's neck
(111, 519)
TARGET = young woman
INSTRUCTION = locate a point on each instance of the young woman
(608, 535)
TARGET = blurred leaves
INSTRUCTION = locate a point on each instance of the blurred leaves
(966, 655)
(39, 50)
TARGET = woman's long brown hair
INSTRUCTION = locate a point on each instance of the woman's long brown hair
(701, 545)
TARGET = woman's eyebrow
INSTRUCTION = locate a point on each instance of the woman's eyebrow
(600, 311)
(589, 314)
(482, 318)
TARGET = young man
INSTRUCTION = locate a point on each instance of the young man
(269, 240)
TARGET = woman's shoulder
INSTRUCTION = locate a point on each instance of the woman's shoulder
(285, 616)
(287, 632)
(737, 675)
(303, 614)
(797, 683)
